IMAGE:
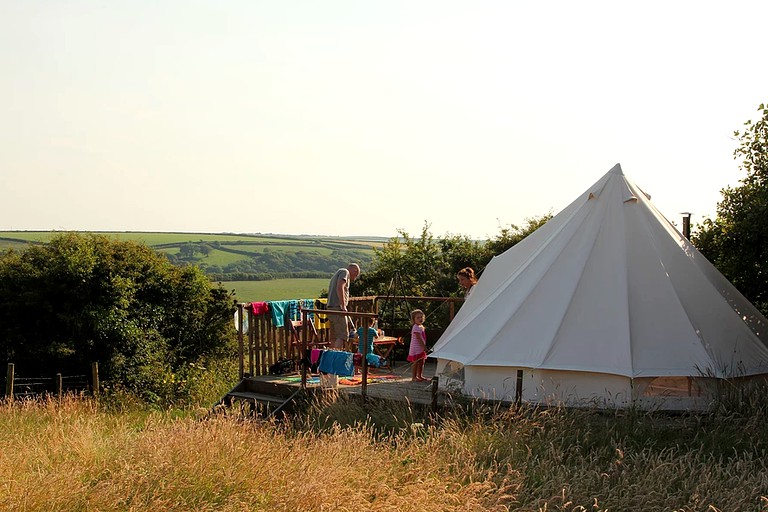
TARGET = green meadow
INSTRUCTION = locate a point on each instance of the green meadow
(160, 239)
(336, 453)
(300, 262)
(277, 289)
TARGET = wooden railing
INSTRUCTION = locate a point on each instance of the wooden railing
(262, 344)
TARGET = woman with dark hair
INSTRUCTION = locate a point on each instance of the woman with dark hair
(467, 280)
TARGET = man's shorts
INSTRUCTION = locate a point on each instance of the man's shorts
(339, 327)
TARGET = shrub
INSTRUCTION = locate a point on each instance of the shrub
(84, 298)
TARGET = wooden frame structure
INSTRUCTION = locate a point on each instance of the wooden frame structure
(264, 344)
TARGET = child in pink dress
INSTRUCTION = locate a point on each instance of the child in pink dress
(417, 353)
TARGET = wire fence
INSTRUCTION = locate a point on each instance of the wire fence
(20, 387)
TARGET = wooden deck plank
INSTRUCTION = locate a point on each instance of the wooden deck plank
(400, 389)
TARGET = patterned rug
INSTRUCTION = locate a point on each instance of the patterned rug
(347, 381)
(310, 380)
(358, 379)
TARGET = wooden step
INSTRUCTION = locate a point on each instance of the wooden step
(277, 389)
(252, 397)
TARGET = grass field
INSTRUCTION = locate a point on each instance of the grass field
(235, 254)
(219, 257)
(344, 455)
(151, 238)
(215, 257)
(276, 289)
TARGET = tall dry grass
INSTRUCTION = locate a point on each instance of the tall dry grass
(344, 455)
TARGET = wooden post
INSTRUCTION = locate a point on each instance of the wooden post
(519, 388)
(252, 326)
(240, 339)
(9, 382)
(59, 386)
(260, 345)
(95, 377)
(364, 362)
(433, 389)
(303, 349)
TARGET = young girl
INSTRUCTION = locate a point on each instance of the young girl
(417, 353)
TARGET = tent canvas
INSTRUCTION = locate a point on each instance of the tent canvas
(608, 304)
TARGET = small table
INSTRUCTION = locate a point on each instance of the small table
(383, 346)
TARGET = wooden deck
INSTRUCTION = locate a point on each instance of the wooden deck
(271, 391)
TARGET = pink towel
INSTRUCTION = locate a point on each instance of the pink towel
(314, 356)
(259, 308)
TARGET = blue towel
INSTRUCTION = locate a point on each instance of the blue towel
(293, 310)
(308, 304)
(337, 362)
(278, 310)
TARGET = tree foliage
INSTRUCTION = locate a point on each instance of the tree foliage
(427, 267)
(736, 242)
(84, 298)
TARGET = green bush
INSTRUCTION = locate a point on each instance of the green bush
(84, 298)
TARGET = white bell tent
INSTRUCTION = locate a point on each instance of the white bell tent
(606, 304)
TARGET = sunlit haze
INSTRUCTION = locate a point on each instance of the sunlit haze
(364, 118)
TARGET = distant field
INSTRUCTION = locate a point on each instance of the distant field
(215, 257)
(276, 289)
(12, 244)
(174, 238)
(17, 238)
(237, 256)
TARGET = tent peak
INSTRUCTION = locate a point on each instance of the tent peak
(616, 170)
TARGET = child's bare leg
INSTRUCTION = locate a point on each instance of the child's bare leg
(421, 370)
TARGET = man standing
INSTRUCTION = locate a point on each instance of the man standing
(338, 299)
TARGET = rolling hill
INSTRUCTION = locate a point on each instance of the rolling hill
(238, 257)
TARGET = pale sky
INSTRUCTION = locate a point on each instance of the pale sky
(357, 117)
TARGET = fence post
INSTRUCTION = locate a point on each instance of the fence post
(240, 348)
(9, 382)
(433, 390)
(95, 377)
(59, 386)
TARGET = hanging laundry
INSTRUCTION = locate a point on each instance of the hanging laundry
(314, 359)
(278, 310)
(259, 308)
(293, 310)
(337, 362)
(308, 304)
(321, 320)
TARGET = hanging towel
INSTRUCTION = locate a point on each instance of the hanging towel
(337, 362)
(293, 310)
(278, 310)
(308, 304)
(321, 320)
(259, 308)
